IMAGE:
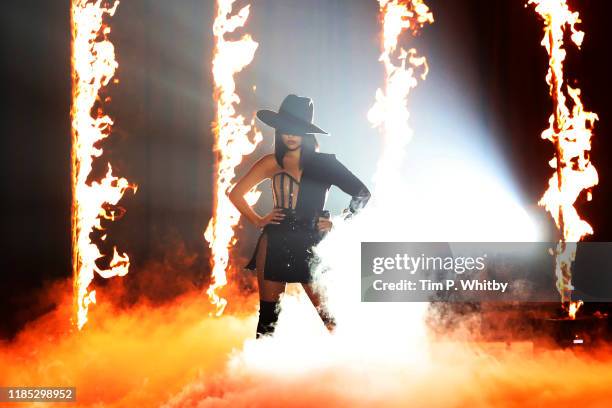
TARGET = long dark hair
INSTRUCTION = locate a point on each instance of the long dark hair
(309, 146)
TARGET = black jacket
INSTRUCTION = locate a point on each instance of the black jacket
(320, 172)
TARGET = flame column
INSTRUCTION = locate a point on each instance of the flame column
(93, 67)
(231, 140)
(570, 132)
(390, 112)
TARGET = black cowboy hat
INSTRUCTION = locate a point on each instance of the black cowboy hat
(293, 117)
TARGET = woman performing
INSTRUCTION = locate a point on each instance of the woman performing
(301, 178)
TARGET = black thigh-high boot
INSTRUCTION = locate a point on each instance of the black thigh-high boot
(268, 316)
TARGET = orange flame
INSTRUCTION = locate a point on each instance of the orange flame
(390, 112)
(570, 131)
(232, 141)
(93, 66)
(573, 309)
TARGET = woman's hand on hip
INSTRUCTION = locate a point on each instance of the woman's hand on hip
(324, 224)
(274, 217)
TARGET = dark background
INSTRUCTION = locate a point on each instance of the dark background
(162, 107)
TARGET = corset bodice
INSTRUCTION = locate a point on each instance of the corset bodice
(285, 190)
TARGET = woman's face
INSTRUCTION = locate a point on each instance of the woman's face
(292, 142)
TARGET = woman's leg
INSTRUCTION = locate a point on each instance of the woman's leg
(314, 297)
(269, 294)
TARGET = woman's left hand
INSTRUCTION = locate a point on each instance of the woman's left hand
(324, 224)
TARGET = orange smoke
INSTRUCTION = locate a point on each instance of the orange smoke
(176, 355)
(231, 140)
(459, 375)
(93, 66)
(570, 131)
(127, 357)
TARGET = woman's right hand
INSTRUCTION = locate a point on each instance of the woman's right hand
(274, 217)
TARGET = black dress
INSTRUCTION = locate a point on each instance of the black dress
(289, 244)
